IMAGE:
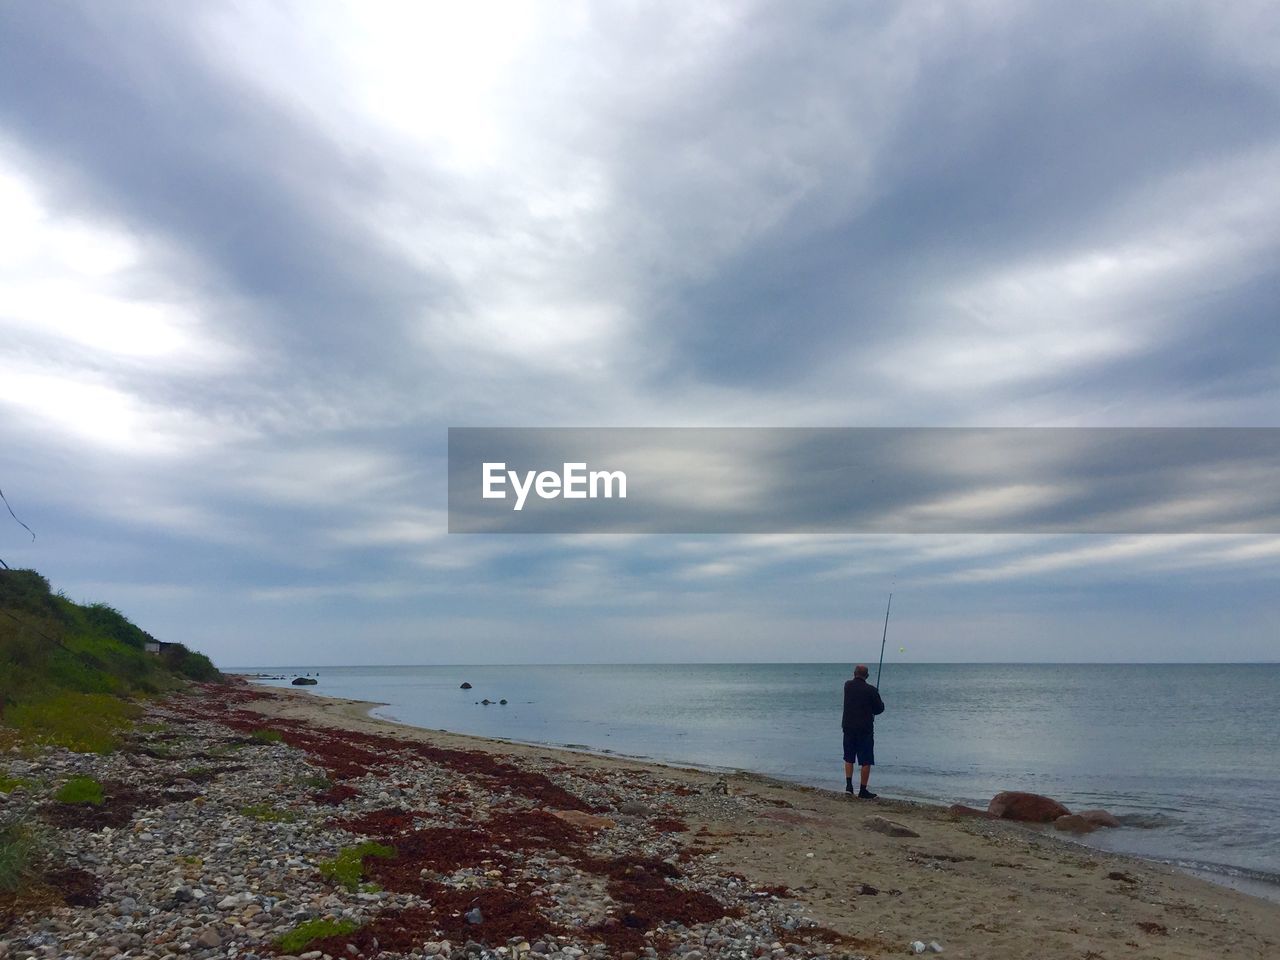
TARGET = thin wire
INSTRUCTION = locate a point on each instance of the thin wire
(20, 523)
(15, 517)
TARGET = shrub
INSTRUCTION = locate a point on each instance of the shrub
(50, 645)
(27, 591)
(107, 621)
(17, 855)
(84, 722)
(347, 868)
(25, 652)
(196, 666)
(267, 736)
(296, 939)
(80, 790)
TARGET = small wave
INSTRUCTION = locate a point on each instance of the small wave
(1248, 874)
(1148, 821)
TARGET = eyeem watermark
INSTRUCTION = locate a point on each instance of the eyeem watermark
(1052, 480)
(573, 482)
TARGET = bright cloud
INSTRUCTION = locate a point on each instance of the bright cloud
(255, 259)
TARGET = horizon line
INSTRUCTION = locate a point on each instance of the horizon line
(786, 663)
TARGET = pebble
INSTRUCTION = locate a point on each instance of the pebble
(209, 938)
(200, 879)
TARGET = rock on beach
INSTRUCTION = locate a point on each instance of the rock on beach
(961, 810)
(1026, 807)
(587, 821)
(889, 827)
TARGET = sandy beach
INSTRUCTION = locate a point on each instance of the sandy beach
(983, 888)
(612, 856)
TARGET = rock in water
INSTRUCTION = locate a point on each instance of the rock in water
(1100, 818)
(465, 686)
(1026, 807)
(1074, 823)
(890, 827)
(304, 682)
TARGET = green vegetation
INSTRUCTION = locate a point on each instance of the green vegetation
(10, 784)
(84, 722)
(187, 663)
(220, 751)
(17, 855)
(267, 736)
(80, 790)
(66, 668)
(347, 868)
(314, 782)
(268, 814)
(162, 751)
(297, 939)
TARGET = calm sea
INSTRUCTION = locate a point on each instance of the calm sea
(1187, 755)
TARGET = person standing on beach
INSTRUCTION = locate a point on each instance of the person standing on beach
(862, 704)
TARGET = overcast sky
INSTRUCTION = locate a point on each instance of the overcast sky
(256, 258)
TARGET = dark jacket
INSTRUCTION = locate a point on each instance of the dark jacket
(862, 703)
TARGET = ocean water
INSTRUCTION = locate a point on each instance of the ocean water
(1187, 755)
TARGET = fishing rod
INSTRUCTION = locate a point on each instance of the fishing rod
(883, 637)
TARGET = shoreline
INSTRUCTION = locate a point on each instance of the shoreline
(246, 820)
(1152, 885)
(1241, 882)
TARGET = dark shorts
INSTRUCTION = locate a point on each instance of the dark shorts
(860, 748)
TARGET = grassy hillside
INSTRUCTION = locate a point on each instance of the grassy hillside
(68, 671)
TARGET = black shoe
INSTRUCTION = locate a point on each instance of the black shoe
(848, 788)
(865, 794)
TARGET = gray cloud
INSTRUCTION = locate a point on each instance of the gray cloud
(872, 164)
(738, 215)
